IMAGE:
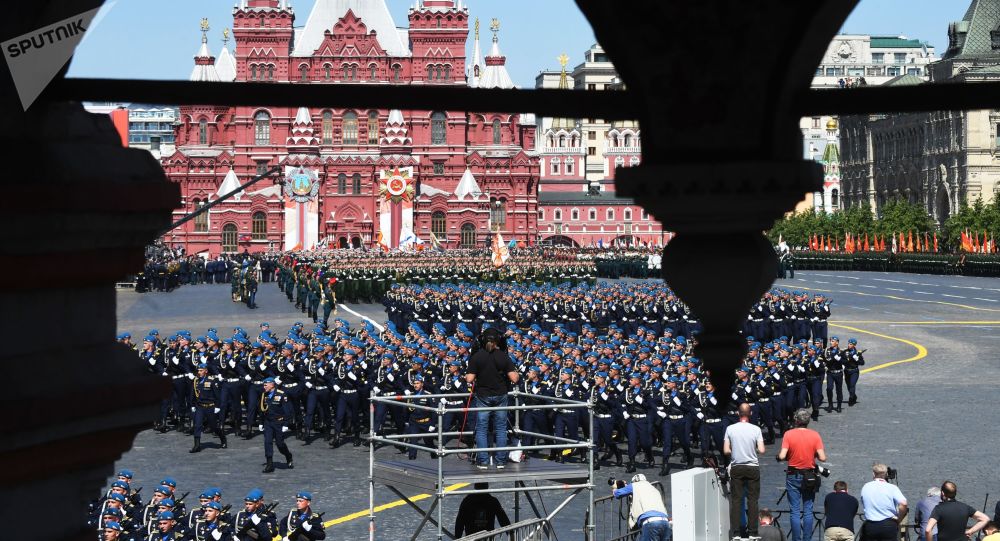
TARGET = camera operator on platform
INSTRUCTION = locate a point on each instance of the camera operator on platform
(884, 506)
(801, 447)
(646, 511)
(490, 369)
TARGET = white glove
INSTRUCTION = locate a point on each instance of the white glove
(309, 385)
(175, 359)
(407, 392)
(677, 400)
(638, 399)
(322, 371)
(247, 377)
(336, 388)
(352, 376)
(284, 539)
(261, 428)
(163, 374)
(714, 401)
(662, 414)
(232, 363)
(284, 429)
(307, 526)
(255, 519)
(604, 396)
(278, 380)
(190, 377)
(431, 428)
(735, 396)
(701, 415)
(152, 361)
(626, 415)
(216, 534)
(263, 367)
(217, 410)
(390, 377)
(193, 409)
(376, 391)
(569, 392)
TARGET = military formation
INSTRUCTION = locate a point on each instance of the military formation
(166, 270)
(626, 346)
(123, 514)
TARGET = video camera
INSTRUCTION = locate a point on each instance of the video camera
(616, 483)
(823, 470)
(891, 474)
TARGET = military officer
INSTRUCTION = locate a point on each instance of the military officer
(276, 413)
(853, 360)
(255, 522)
(302, 522)
(206, 408)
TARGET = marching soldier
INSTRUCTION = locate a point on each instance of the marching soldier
(206, 408)
(301, 522)
(255, 522)
(276, 414)
(853, 360)
(834, 374)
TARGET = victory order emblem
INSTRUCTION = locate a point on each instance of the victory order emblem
(396, 185)
(301, 185)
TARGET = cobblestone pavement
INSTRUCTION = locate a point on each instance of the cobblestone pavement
(932, 417)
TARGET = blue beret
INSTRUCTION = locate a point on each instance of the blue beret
(113, 511)
(166, 502)
(783, 339)
(149, 338)
(289, 347)
(265, 324)
(268, 380)
(566, 371)
(161, 490)
(254, 495)
(455, 363)
(635, 375)
(616, 366)
(125, 473)
(228, 341)
(207, 495)
(350, 352)
(852, 341)
(119, 484)
(214, 505)
(835, 338)
(212, 336)
(658, 369)
(256, 345)
(304, 495)
(153, 332)
(166, 515)
(112, 525)
(302, 341)
(751, 339)
(601, 375)
(118, 497)
(202, 366)
(742, 368)
(534, 369)
(214, 491)
(317, 349)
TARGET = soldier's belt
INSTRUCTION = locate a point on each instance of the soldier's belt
(835, 371)
(565, 411)
(638, 415)
(764, 400)
(675, 417)
(206, 405)
(713, 421)
(349, 391)
(179, 376)
(290, 385)
(257, 382)
(323, 388)
(231, 380)
(602, 415)
(424, 420)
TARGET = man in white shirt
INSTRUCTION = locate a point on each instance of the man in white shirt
(743, 442)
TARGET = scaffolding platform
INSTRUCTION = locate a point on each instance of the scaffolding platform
(423, 472)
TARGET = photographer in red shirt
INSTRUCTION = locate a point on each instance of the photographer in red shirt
(801, 447)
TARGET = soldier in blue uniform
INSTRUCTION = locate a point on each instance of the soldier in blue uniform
(853, 360)
(675, 423)
(254, 522)
(636, 405)
(710, 413)
(206, 408)
(604, 400)
(566, 423)
(209, 527)
(276, 414)
(301, 522)
(421, 421)
(349, 381)
(834, 374)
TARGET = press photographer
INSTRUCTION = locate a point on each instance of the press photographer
(801, 447)
(884, 506)
(647, 511)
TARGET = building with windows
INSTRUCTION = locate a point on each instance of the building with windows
(577, 207)
(353, 177)
(152, 129)
(943, 159)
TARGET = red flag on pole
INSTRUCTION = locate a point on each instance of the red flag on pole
(867, 247)
(838, 244)
(975, 242)
(935, 242)
(918, 247)
(902, 242)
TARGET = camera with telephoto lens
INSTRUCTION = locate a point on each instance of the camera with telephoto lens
(822, 470)
(890, 473)
(617, 483)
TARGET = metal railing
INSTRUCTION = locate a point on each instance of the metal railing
(440, 451)
(538, 529)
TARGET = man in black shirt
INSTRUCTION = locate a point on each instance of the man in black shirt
(479, 513)
(951, 517)
(840, 509)
(490, 369)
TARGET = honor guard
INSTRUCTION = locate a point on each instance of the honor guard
(853, 360)
(276, 414)
(206, 408)
(301, 522)
(255, 522)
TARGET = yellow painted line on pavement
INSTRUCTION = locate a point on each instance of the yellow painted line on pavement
(872, 321)
(898, 298)
(387, 506)
(921, 350)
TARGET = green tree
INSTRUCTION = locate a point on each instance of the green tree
(901, 216)
(975, 218)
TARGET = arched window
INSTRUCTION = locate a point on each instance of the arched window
(262, 128)
(562, 141)
(557, 215)
(468, 236)
(354, 72)
(569, 166)
(229, 238)
(611, 214)
(327, 128)
(439, 224)
(555, 166)
(342, 184)
(574, 215)
(373, 72)
(628, 214)
(835, 198)
(201, 220)
(541, 214)
(304, 73)
(498, 212)
(356, 184)
(592, 214)
(270, 72)
(430, 73)
(447, 73)
(438, 128)
(372, 127)
(397, 73)
(440, 72)
(350, 128)
(496, 132)
(347, 72)
(628, 139)
(327, 71)
(203, 132)
(259, 223)
(253, 72)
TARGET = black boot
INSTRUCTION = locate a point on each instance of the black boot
(649, 459)
(269, 468)
(665, 469)
(288, 460)
(197, 446)
(630, 468)
(307, 438)
(357, 440)
(248, 434)
(689, 458)
(335, 441)
(618, 456)
(815, 415)
(222, 439)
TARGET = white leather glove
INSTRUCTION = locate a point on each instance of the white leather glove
(735, 396)
(232, 363)
(336, 388)
(152, 361)
(407, 392)
(193, 409)
(701, 415)
(284, 429)
(307, 526)
(677, 400)
(662, 414)
(217, 410)
(255, 519)
(352, 376)
(309, 385)
(322, 371)
(247, 377)
(261, 428)
(604, 396)
(390, 377)
(175, 359)
(569, 392)
(626, 415)
(164, 373)
(431, 428)
(278, 380)
(263, 366)
(638, 399)
(216, 534)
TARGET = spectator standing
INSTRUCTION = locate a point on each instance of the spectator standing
(479, 513)
(840, 509)
(490, 369)
(647, 511)
(884, 505)
(924, 508)
(767, 531)
(742, 444)
(801, 446)
(952, 517)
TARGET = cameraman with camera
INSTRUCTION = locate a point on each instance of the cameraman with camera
(884, 506)
(646, 511)
(490, 369)
(801, 447)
